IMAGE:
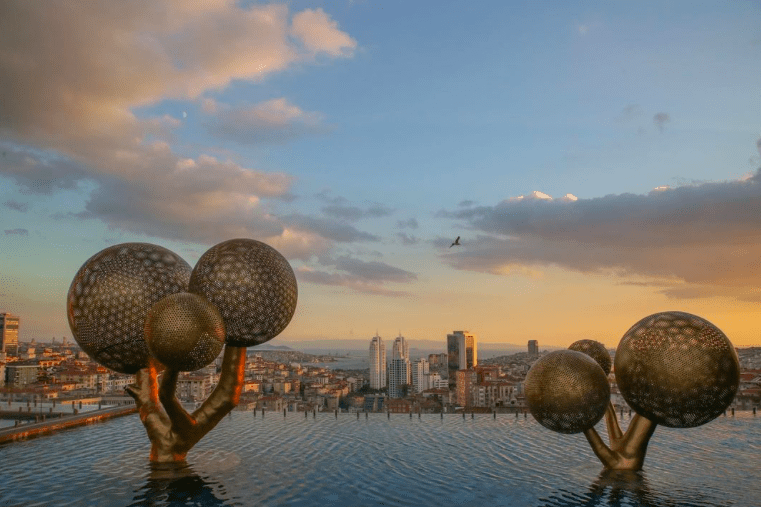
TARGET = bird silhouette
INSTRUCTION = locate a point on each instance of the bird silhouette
(456, 242)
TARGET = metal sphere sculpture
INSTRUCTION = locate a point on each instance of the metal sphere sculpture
(252, 285)
(677, 369)
(110, 296)
(596, 351)
(184, 332)
(567, 391)
(672, 368)
(138, 308)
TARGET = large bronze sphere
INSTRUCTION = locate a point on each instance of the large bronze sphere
(677, 369)
(596, 351)
(184, 331)
(252, 286)
(567, 391)
(110, 296)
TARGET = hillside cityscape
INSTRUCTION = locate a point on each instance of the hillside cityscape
(281, 379)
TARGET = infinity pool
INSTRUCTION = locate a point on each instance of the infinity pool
(272, 460)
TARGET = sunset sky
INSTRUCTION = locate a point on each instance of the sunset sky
(600, 160)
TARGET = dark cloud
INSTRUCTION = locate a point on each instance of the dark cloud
(699, 235)
(16, 232)
(328, 228)
(660, 120)
(353, 213)
(758, 145)
(408, 239)
(23, 207)
(466, 203)
(409, 223)
(629, 112)
(367, 277)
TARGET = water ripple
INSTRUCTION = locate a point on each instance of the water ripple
(275, 460)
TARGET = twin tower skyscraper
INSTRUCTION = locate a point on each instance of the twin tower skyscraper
(399, 371)
(462, 354)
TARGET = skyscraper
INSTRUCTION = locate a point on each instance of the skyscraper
(533, 347)
(462, 349)
(399, 372)
(420, 375)
(377, 363)
(9, 333)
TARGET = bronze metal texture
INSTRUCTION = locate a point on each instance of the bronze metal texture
(596, 351)
(677, 369)
(567, 391)
(184, 331)
(171, 430)
(110, 296)
(252, 286)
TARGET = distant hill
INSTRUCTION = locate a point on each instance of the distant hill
(270, 346)
(418, 348)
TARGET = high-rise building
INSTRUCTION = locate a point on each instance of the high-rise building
(462, 350)
(420, 375)
(533, 347)
(9, 333)
(377, 363)
(399, 372)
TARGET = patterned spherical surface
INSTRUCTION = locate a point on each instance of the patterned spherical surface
(677, 369)
(110, 296)
(252, 286)
(184, 331)
(567, 391)
(596, 351)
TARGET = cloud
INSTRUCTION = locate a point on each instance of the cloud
(320, 34)
(367, 277)
(23, 207)
(328, 228)
(77, 73)
(16, 232)
(698, 235)
(466, 203)
(408, 239)
(274, 121)
(660, 120)
(409, 223)
(758, 146)
(353, 213)
(630, 112)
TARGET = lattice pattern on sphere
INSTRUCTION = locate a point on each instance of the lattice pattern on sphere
(184, 331)
(677, 369)
(252, 286)
(567, 391)
(596, 351)
(110, 296)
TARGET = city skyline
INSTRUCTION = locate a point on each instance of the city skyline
(599, 162)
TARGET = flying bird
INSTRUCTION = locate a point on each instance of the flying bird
(456, 242)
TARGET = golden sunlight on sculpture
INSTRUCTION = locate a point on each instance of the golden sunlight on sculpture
(672, 368)
(138, 308)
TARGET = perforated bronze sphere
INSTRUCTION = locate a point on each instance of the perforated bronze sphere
(184, 331)
(596, 351)
(110, 296)
(252, 286)
(677, 369)
(567, 391)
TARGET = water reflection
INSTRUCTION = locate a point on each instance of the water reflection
(175, 484)
(617, 488)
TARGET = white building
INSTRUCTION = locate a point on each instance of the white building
(399, 373)
(420, 375)
(377, 363)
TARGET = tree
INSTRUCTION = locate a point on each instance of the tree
(672, 368)
(138, 308)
